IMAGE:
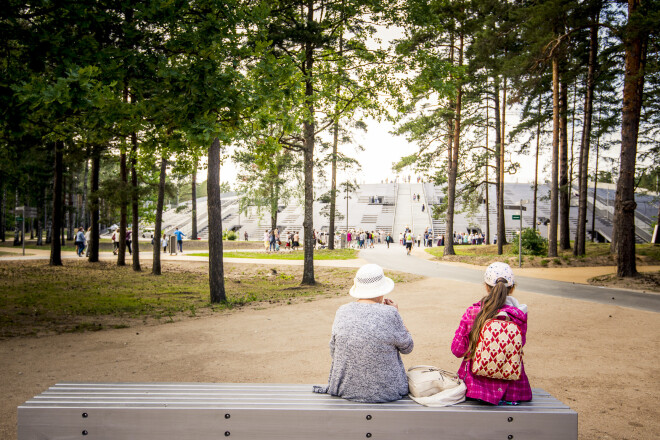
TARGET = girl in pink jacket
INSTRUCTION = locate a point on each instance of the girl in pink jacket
(499, 286)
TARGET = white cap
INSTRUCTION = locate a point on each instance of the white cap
(371, 282)
(496, 271)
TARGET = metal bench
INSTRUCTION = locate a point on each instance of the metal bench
(195, 411)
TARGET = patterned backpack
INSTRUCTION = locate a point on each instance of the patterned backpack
(499, 351)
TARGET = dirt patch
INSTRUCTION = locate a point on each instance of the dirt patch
(601, 360)
(644, 281)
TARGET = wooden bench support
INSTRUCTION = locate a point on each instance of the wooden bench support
(182, 411)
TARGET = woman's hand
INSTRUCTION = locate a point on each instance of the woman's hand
(389, 302)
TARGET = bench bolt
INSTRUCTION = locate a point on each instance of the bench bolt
(84, 415)
(510, 436)
(510, 419)
(84, 432)
(227, 433)
(368, 435)
(369, 417)
(227, 416)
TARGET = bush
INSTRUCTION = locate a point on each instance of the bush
(231, 235)
(532, 243)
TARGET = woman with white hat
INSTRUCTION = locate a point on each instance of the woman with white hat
(368, 336)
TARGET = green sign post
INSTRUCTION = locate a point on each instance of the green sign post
(515, 217)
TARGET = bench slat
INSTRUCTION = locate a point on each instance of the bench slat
(256, 411)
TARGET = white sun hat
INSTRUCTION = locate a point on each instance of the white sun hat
(371, 282)
(499, 270)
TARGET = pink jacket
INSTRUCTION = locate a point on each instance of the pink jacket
(484, 388)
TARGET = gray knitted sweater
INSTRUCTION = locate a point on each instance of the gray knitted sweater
(365, 346)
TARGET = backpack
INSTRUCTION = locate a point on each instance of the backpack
(499, 350)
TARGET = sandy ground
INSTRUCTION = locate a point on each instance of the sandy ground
(595, 358)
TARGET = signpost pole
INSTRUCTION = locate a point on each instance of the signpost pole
(520, 238)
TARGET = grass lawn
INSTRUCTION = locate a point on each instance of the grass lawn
(80, 296)
(598, 254)
(322, 254)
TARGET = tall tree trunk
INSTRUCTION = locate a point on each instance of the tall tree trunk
(536, 167)
(94, 205)
(486, 172)
(55, 245)
(69, 211)
(633, 88)
(501, 221)
(593, 211)
(333, 181)
(84, 209)
(193, 233)
(156, 270)
(564, 188)
(216, 267)
(498, 173)
(333, 184)
(453, 171)
(135, 235)
(274, 201)
(123, 209)
(554, 188)
(308, 134)
(581, 233)
(3, 208)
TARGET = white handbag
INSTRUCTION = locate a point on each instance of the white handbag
(431, 386)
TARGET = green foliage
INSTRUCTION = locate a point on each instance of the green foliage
(532, 243)
(231, 235)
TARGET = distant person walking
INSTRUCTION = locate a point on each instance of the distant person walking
(80, 242)
(129, 235)
(246, 236)
(115, 242)
(179, 239)
(271, 241)
(409, 242)
(88, 239)
(163, 243)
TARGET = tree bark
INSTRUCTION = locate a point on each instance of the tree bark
(308, 134)
(94, 205)
(498, 173)
(554, 186)
(633, 87)
(216, 268)
(333, 185)
(453, 171)
(55, 245)
(593, 211)
(3, 208)
(193, 233)
(69, 211)
(156, 270)
(536, 167)
(581, 233)
(123, 210)
(564, 187)
(135, 208)
(84, 209)
(501, 221)
(486, 174)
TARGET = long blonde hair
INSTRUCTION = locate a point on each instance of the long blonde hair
(490, 305)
